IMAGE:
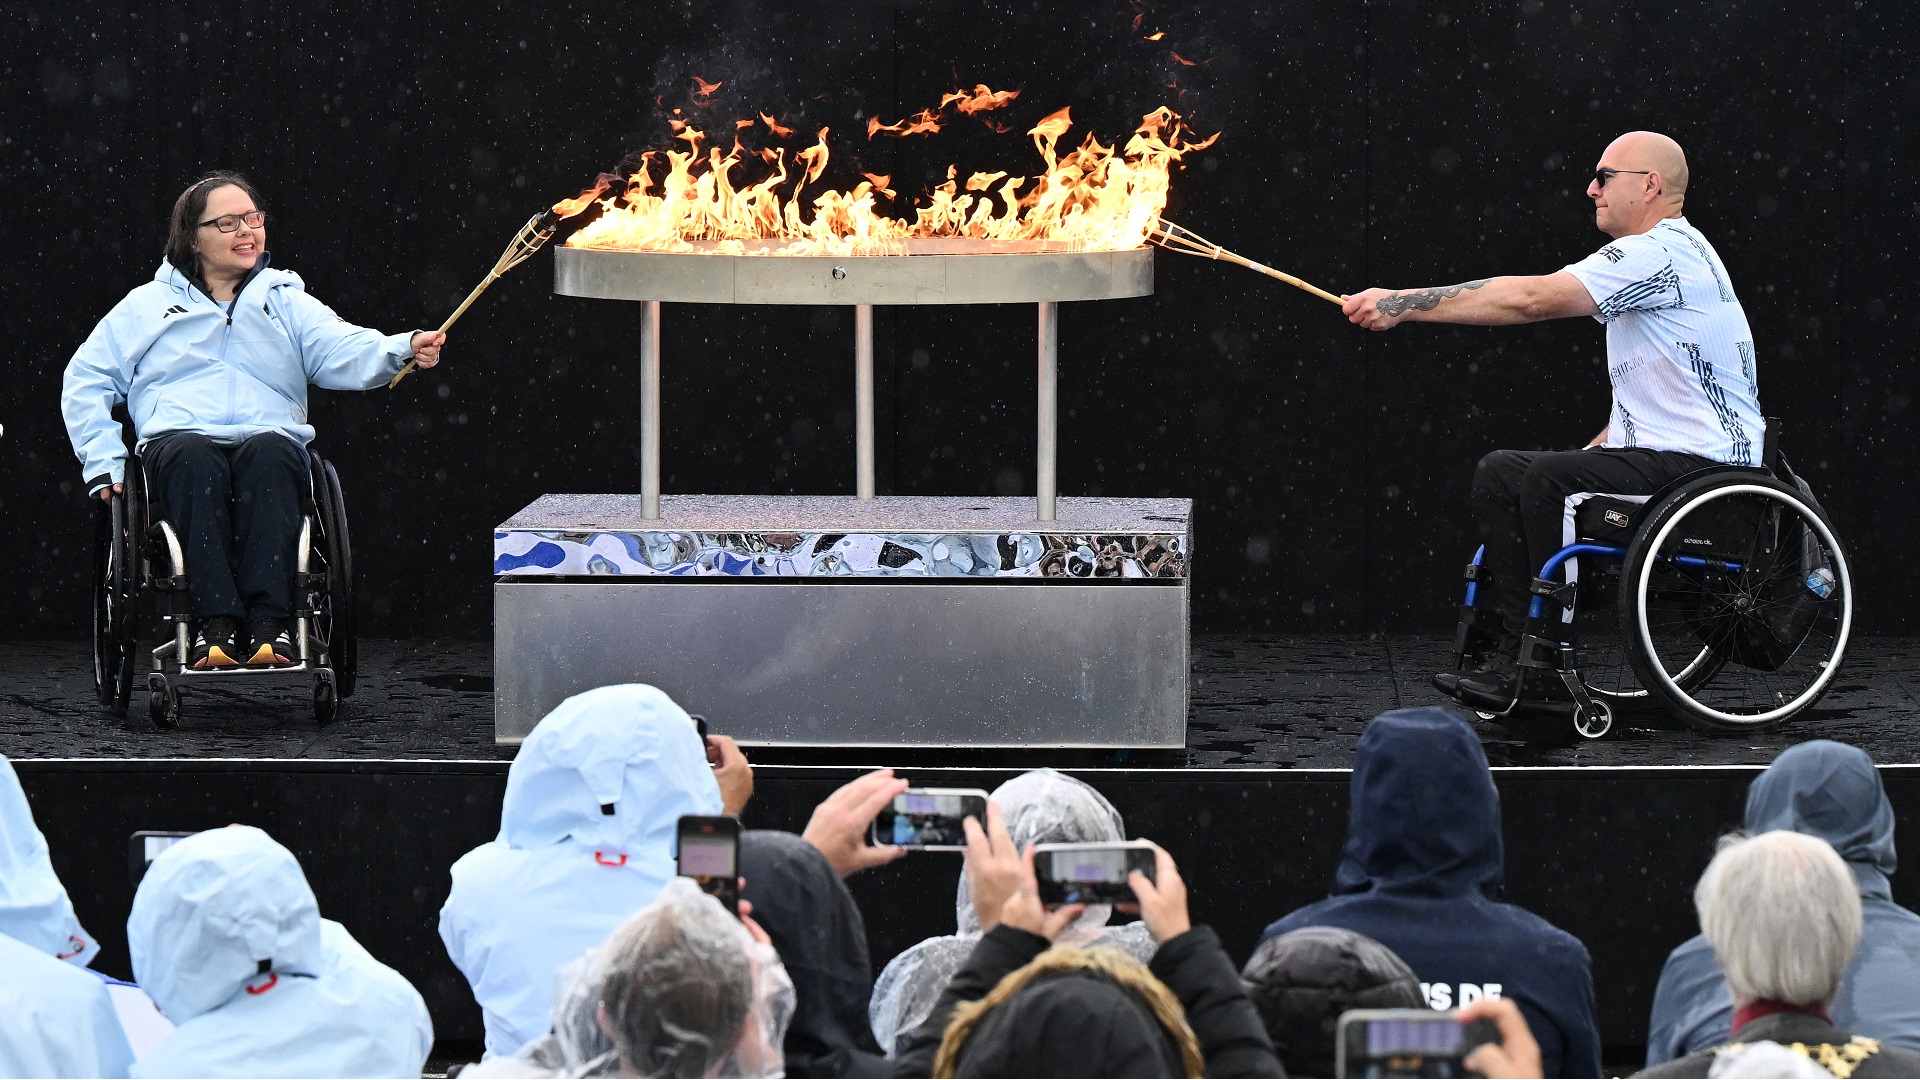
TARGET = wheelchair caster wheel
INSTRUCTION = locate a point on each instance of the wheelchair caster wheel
(1595, 721)
(325, 703)
(163, 707)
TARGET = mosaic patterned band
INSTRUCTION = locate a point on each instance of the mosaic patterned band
(543, 553)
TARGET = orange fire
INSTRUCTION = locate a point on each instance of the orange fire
(1093, 197)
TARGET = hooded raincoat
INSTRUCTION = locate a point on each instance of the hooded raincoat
(1832, 791)
(816, 927)
(1039, 807)
(56, 1019)
(183, 361)
(1421, 873)
(586, 840)
(226, 937)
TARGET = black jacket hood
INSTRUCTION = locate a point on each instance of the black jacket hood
(1075, 1023)
(1832, 791)
(1425, 817)
(816, 928)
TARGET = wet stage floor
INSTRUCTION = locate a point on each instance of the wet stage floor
(1257, 702)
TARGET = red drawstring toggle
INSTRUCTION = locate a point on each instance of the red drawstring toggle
(271, 982)
(79, 946)
(601, 858)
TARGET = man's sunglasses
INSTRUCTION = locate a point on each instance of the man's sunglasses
(1601, 176)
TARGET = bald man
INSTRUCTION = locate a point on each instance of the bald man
(1680, 357)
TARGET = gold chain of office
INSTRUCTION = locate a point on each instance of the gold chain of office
(1841, 1061)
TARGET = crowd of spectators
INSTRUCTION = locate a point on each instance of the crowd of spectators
(589, 957)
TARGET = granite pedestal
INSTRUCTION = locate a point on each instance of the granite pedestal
(834, 621)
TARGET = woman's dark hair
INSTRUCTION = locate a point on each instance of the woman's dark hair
(185, 220)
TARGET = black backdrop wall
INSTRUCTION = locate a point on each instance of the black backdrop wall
(1395, 142)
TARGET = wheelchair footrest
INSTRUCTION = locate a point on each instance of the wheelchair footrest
(1554, 591)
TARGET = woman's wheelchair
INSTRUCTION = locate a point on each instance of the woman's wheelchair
(139, 572)
(1723, 600)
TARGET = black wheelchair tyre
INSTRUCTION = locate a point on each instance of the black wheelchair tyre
(334, 614)
(1729, 651)
(116, 596)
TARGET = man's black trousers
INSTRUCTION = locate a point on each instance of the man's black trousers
(1525, 501)
(237, 512)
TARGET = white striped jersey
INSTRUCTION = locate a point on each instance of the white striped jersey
(1679, 351)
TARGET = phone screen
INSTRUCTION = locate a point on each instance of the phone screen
(1090, 873)
(709, 853)
(1440, 1035)
(930, 817)
(146, 846)
(1407, 1042)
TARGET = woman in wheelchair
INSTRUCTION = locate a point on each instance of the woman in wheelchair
(212, 359)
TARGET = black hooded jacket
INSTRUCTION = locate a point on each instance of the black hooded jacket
(1421, 874)
(815, 926)
(1193, 966)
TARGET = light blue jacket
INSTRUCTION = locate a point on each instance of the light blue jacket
(586, 839)
(55, 1018)
(184, 362)
(34, 908)
(1832, 791)
(226, 937)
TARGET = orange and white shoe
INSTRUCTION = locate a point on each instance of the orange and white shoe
(272, 644)
(215, 645)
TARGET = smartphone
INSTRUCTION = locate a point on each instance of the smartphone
(1091, 873)
(713, 752)
(929, 819)
(707, 849)
(146, 846)
(1406, 1042)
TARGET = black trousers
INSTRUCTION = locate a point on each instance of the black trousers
(1525, 500)
(237, 512)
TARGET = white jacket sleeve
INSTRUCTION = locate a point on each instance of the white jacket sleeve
(99, 376)
(336, 354)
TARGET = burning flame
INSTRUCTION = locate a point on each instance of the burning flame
(1092, 197)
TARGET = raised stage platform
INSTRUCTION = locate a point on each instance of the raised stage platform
(1604, 839)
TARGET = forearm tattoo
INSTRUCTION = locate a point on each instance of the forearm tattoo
(1423, 299)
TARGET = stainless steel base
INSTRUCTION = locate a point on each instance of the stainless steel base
(995, 663)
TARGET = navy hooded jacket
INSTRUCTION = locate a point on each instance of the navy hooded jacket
(1420, 875)
(1832, 791)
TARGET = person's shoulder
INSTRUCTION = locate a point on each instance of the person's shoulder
(1700, 1064)
(1890, 1061)
(45, 974)
(491, 863)
(1541, 936)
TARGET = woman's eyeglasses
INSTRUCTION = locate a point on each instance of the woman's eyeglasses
(231, 222)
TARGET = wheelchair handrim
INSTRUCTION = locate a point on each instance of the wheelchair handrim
(1841, 572)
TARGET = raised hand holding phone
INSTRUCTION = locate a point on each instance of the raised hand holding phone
(1162, 898)
(839, 825)
(994, 867)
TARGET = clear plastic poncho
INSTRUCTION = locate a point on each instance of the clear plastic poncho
(687, 993)
(1043, 806)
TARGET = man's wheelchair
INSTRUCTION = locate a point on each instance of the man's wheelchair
(139, 572)
(1723, 600)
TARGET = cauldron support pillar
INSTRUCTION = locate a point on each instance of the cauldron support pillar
(1049, 411)
(650, 409)
(863, 400)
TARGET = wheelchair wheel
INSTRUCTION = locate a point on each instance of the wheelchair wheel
(116, 595)
(333, 619)
(1736, 602)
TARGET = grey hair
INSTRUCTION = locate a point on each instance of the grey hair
(1782, 913)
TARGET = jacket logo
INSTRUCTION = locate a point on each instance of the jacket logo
(1441, 996)
(1616, 519)
(174, 310)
